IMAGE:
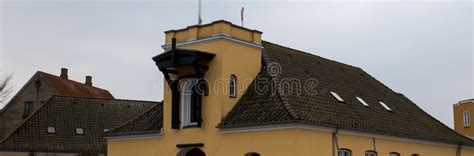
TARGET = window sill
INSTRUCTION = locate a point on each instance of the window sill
(190, 126)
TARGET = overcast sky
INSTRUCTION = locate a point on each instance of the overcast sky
(422, 49)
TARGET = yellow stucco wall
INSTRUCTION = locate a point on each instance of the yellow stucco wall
(458, 118)
(283, 142)
(244, 61)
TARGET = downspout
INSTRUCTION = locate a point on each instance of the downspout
(459, 149)
(373, 144)
(335, 145)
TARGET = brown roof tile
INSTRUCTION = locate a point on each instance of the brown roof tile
(67, 113)
(283, 104)
(66, 87)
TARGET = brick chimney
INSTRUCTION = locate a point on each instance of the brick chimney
(63, 73)
(88, 80)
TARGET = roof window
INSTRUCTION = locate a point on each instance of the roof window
(79, 131)
(362, 101)
(385, 106)
(51, 130)
(335, 95)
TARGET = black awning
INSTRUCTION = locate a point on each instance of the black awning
(180, 57)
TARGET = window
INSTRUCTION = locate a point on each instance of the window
(232, 86)
(252, 154)
(335, 95)
(344, 152)
(385, 106)
(415, 155)
(370, 153)
(51, 130)
(28, 109)
(106, 130)
(362, 101)
(79, 131)
(394, 154)
(466, 118)
(189, 102)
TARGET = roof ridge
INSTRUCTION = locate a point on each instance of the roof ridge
(306, 53)
(26, 120)
(70, 80)
(95, 98)
(284, 100)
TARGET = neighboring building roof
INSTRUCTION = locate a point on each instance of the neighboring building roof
(66, 87)
(150, 122)
(66, 114)
(315, 106)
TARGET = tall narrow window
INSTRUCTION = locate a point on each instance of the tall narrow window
(344, 152)
(394, 154)
(232, 86)
(467, 118)
(28, 109)
(191, 103)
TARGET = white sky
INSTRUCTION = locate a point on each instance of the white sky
(422, 48)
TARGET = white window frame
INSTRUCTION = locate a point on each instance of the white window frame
(466, 118)
(335, 95)
(362, 101)
(385, 106)
(51, 130)
(186, 95)
(79, 131)
(232, 86)
(344, 152)
(370, 153)
(394, 154)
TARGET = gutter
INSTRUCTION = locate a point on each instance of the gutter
(335, 144)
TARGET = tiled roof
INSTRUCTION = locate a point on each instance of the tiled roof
(67, 113)
(150, 122)
(66, 87)
(285, 104)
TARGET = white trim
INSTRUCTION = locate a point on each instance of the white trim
(464, 102)
(212, 38)
(135, 137)
(340, 131)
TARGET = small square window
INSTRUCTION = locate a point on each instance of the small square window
(335, 95)
(51, 130)
(79, 131)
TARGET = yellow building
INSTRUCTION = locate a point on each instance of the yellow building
(228, 92)
(462, 117)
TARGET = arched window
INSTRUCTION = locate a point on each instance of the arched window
(232, 86)
(370, 153)
(191, 152)
(394, 154)
(344, 152)
(252, 154)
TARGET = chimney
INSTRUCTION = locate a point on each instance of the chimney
(88, 80)
(63, 73)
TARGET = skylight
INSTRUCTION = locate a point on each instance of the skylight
(362, 101)
(335, 95)
(79, 131)
(51, 130)
(385, 106)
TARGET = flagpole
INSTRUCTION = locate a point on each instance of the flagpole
(199, 13)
